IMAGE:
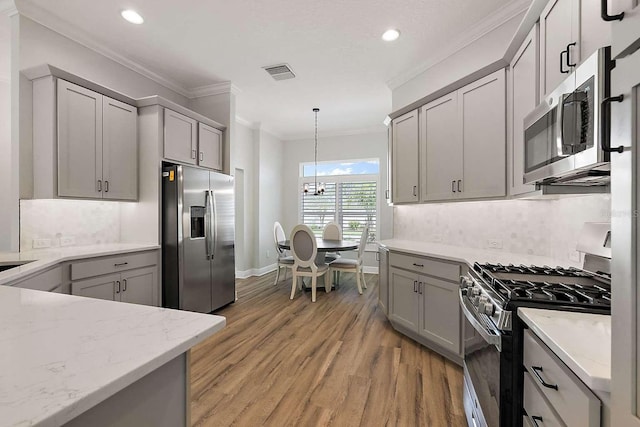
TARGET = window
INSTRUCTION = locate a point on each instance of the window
(350, 197)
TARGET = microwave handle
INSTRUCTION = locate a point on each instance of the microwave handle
(605, 124)
(560, 126)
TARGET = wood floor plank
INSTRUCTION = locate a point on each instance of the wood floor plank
(337, 362)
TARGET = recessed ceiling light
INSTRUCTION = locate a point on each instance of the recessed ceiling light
(132, 16)
(390, 35)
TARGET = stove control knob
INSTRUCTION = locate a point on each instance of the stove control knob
(487, 308)
(465, 283)
(475, 301)
(475, 291)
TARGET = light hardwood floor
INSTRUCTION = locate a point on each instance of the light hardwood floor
(334, 362)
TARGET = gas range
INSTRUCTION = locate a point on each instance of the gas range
(496, 290)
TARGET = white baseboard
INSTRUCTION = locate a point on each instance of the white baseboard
(268, 269)
(255, 271)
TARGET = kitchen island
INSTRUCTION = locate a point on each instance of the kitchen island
(81, 361)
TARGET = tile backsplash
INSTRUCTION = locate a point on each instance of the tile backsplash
(86, 222)
(536, 227)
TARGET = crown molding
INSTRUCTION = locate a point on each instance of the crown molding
(477, 31)
(65, 28)
(214, 89)
(8, 7)
(247, 123)
(349, 132)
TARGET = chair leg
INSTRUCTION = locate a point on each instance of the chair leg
(293, 285)
(364, 282)
(314, 280)
(285, 273)
(327, 282)
(358, 282)
(277, 275)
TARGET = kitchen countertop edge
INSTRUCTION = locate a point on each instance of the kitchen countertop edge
(577, 362)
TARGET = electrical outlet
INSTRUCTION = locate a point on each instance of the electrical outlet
(67, 241)
(494, 243)
(436, 238)
(574, 256)
(41, 243)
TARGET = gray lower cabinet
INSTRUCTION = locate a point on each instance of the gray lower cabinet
(383, 279)
(423, 302)
(49, 280)
(132, 278)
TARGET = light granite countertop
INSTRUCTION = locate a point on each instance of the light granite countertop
(37, 260)
(467, 255)
(581, 340)
(62, 354)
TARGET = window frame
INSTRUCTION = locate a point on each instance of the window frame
(371, 246)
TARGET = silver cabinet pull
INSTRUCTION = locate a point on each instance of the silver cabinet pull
(106, 186)
(201, 156)
(459, 184)
(117, 286)
(193, 154)
(415, 189)
(453, 186)
(99, 186)
(415, 286)
(120, 264)
(124, 285)
(386, 194)
(420, 288)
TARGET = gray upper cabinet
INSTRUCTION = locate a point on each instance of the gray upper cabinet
(558, 29)
(483, 124)
(463, 138)
(119, 150)
(442, 148)
(97, 145)
(79, 141)
(570, 31)
(405, 155)
(625, 37)
(180, 137)
(210, 146)
(522, 99)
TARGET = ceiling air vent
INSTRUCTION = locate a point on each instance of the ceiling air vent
(280, 71)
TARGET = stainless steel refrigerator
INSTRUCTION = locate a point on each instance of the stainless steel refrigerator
(198, 268)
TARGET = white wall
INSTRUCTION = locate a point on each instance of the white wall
(5, 165)
(270, 208)
(244, 156)
(346, 147)
(478, 54)
(537, 227)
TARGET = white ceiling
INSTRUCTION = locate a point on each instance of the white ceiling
(333, 46)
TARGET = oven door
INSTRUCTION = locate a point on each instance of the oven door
(481, 368)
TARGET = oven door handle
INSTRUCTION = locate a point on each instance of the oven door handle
(490, 336)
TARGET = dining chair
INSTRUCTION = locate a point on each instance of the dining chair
(354, 265)
(305, 248)
(284, 260)
(332, 231)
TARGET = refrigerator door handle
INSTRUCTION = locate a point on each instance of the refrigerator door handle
(207, 220)
(212, 226)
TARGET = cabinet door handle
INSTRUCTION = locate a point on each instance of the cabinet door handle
(418, 265)
(605, 15)
(535, 370)
(535, 419)
(562, 60)
(120, 264)
(99, 186)
(569, 46)
(459, 185)
(386, 194)
(106, 186)
(117, 286)
(605, 123)
(124, 285)
(420, 288)
(453, 186)
(415, 286)
(415, 190)
(193, 154)
(201, 156)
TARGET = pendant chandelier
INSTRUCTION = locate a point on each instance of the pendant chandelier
(318, 187)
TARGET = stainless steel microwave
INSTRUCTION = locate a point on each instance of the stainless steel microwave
(562, 139)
